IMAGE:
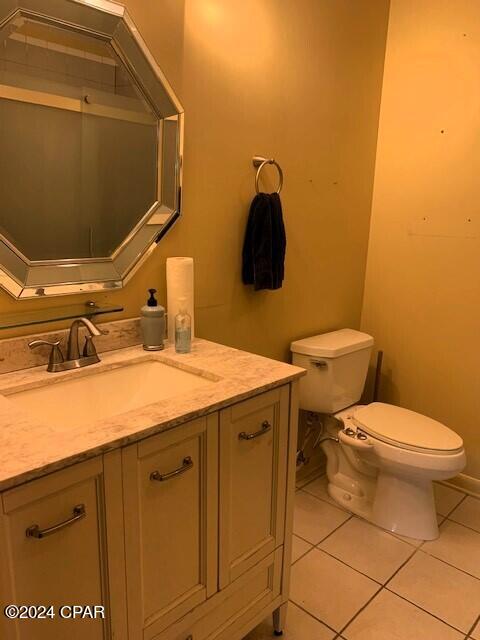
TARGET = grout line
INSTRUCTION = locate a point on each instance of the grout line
(450, 564)
(360, 610)
(399, 595)
(315, 544)
(329, 500)
(380, 584)
(313, 616)
(456, 506)
(461, 524)
(470, 631)
(331, 503)
(303, 554)
(415, 550)
(304, 539)
(334, 531)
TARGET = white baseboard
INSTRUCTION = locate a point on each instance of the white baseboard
(465, 483)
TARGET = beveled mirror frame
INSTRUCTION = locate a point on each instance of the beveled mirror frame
(110, 22)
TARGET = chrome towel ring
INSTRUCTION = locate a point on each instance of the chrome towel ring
(260, 162)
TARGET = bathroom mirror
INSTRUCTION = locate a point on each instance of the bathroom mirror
(90, 147)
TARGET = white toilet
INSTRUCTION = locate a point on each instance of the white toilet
(381, 459)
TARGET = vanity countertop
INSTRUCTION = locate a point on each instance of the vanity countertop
(30, 449)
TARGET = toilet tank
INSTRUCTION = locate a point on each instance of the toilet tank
(336, 364)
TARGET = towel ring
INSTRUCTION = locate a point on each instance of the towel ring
(260, 162)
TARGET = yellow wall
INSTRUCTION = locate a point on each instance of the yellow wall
(422, 296)
(296, 79)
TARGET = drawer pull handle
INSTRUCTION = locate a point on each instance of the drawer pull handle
(35, 532)
(266, 426)
(187, 464)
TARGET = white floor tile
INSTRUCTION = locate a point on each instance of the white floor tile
(300, 626)
(458, 546)
(299, 548)
(446, 498)
(329, 590)
(318, 488)
(368, 549)
(388, 617)
(468, 513)
(440, 589)
(314, 519)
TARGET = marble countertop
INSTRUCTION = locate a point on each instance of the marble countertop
(30, 448)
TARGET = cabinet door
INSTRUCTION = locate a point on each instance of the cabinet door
(253, 465)
(171, 501)
(53, 543)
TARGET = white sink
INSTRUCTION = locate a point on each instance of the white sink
(102, 394)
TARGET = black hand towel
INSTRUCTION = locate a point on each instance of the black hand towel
(265, 243)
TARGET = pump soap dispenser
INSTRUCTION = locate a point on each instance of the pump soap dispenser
(152, 324)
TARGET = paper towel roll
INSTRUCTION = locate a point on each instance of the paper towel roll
(179, 285)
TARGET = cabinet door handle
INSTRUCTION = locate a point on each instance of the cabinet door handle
(35, 532)
(187, 464)
(266, 426)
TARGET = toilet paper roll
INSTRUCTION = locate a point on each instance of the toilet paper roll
(179, 285)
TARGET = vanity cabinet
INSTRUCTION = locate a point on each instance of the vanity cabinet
(253, 463)
(184, 535)
(54, 552)
(170, 485)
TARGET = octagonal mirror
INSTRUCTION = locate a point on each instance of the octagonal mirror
(90, 147)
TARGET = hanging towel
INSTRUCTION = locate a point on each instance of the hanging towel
(265, 243)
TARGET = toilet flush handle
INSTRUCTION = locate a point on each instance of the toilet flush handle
(355, 439)
(319, 364)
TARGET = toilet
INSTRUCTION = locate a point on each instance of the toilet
(381, 459)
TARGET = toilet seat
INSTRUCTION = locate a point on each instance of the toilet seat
(406, 429)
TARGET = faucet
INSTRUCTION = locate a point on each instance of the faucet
(74, 360)
(73, 350)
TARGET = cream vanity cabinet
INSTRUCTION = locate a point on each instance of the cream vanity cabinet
(253, 465)
(53, 551)
(170, 485)
(184, 535)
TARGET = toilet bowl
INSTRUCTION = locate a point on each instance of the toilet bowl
(381, 459)
(404, 452)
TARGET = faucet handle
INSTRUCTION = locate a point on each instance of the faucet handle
(94, 329)
(89, 347)
(56, 355)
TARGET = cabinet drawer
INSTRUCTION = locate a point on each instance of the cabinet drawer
(253, 468)
(234, 606)
(62, 561)
(170, 498)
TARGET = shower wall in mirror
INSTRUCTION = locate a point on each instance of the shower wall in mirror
(90, 147)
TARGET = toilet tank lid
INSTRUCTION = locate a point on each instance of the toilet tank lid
(333, 344)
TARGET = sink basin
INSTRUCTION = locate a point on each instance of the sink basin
(103, 394)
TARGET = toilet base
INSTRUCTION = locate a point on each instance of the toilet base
(405, 506)
(359, 505)
(398, 506)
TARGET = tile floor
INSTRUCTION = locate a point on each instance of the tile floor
(354, 581)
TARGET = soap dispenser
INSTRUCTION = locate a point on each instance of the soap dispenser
(152, 323)
(183, 328)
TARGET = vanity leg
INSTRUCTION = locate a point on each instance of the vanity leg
(279, 619)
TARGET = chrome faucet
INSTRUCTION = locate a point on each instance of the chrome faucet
(74, 360)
